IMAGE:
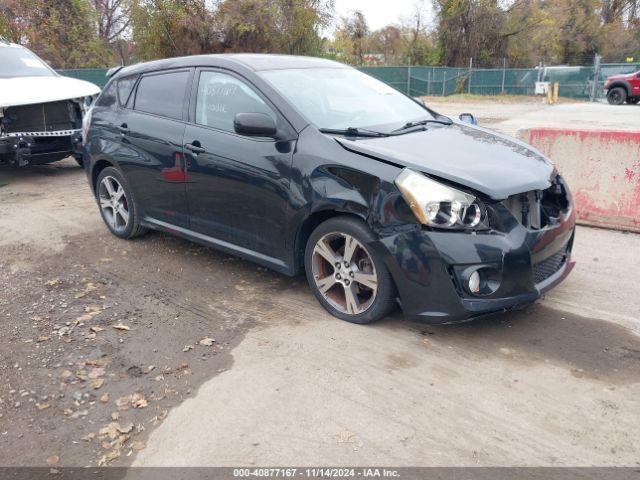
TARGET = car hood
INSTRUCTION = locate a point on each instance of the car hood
(29, 90)
(492, 164)
(622, 76)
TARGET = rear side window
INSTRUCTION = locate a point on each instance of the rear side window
(108, 96)
(125, 85)
(162, 94)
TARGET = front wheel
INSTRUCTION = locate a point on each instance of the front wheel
(117, 204)
(633, 100)
(617, 96)
(349, 278)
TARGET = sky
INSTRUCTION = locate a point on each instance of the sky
(379, 13)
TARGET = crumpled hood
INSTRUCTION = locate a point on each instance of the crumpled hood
(493, 164)
(30, 90)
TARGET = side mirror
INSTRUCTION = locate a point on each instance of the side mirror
(468, 118)
(254, 125)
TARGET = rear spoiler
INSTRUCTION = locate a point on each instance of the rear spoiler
(112, 71)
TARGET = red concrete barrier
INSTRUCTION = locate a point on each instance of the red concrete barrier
(602, 169)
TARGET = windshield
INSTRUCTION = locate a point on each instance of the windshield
(340, 98)
(20, 62)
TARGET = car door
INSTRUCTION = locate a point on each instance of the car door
(635, 85)
(153, 129)
(237, 187)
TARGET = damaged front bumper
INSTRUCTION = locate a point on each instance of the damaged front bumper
(432, 269)
(36, 148)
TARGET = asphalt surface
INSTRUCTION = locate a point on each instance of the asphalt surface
(284, 383)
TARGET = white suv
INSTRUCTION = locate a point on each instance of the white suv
(40, 110)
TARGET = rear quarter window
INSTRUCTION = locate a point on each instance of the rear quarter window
(125, 86)
(108, 96)
(162, 94)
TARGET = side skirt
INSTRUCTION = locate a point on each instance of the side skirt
(231, 248)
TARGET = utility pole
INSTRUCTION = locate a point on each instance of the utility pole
(596, 76)
(470, 73)
(540, 71)
(504, 72)
(409, 77)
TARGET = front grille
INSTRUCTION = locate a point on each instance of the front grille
(538, 209)
(547, 267)
(42, 117)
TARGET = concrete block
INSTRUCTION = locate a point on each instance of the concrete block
(602, 169)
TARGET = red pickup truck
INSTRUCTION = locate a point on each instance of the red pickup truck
(623, 88)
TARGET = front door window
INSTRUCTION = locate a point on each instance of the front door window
(221, 97)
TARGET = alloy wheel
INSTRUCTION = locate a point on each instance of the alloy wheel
(344, 273)
(615, 96)
(113, 203)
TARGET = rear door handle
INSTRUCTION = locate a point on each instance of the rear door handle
(195, 147)
(124, 128)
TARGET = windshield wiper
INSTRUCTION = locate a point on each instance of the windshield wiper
(419, 123)
(354, 132)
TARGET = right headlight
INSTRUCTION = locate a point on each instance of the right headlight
(438, 205)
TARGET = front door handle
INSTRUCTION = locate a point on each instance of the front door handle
(124, 128)
(195, 147)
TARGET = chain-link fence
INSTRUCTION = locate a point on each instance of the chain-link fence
(442, 81)
(574, 82)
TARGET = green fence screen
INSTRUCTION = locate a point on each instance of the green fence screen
(575, 82)
(93, 75)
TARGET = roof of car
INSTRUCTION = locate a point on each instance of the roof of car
(251, 61)
(6, 43)
(275, 62)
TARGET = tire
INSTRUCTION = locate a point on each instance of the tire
(616, 96)
(633, 101)
(79, 161)
(125, 201)
(348, 291)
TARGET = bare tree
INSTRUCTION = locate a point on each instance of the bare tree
(417, 27)
(114, 18)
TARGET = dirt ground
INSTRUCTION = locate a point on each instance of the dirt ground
(161, 352)
(99, 333)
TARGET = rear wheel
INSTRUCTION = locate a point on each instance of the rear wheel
(617, 96)
(633, 100)
(117, 204)
(347, 277)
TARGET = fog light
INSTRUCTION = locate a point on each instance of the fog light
(474, 282)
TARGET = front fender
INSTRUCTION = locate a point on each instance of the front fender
(621, 83)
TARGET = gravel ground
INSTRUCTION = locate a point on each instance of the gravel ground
(100, 337)
(509, 115)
